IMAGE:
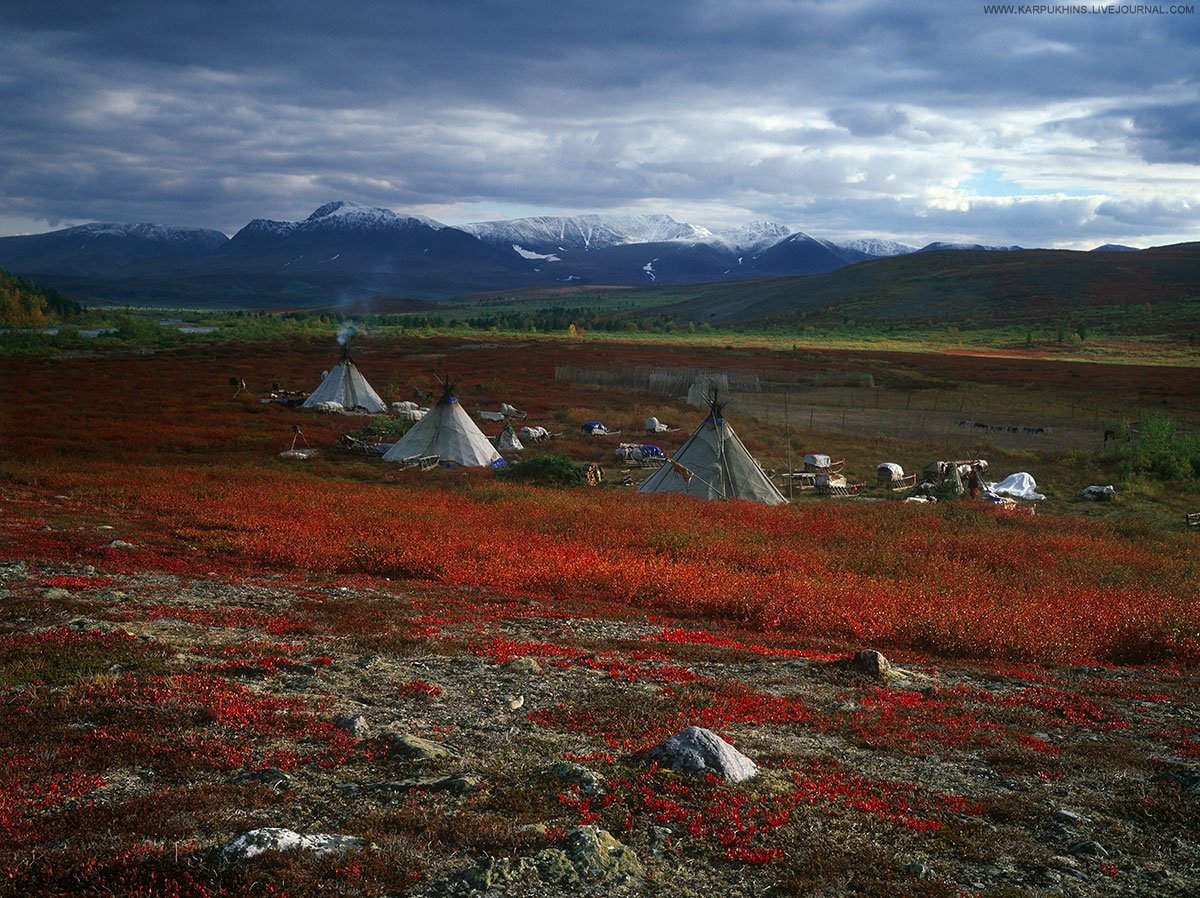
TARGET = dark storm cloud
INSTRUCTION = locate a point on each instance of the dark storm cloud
(211, 113)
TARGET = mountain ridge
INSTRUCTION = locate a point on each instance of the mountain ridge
(351, 251)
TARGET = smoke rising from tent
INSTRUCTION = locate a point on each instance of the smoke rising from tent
(346, 334)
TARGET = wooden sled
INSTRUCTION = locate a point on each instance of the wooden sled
(831, 468)
(802, 480)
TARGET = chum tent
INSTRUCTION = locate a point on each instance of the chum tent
(508, 440)
(346, 386)
(714, 464)
(449, 433)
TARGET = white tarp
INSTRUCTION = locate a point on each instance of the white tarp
(653, 425)
(1019, 486)
(892, 468)
(818, 461)
(509, 412)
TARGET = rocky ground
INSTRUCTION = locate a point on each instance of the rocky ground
(384, 739)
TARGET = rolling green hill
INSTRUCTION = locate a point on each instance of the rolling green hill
(1151, 291)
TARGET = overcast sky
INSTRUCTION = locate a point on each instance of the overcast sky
(917, 122)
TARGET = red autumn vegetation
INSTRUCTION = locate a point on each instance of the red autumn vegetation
(147, 750)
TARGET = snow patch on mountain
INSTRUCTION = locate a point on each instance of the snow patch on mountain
(528, 254)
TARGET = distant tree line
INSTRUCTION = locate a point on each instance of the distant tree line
(23, 303)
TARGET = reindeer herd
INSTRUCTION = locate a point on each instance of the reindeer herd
(1005, 428)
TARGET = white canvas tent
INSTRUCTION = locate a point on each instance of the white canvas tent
(508, 440)
(714, 464)
(346, 386)
(449, 433)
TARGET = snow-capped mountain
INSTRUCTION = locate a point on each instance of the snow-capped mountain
(343, 216)
(347, 249)
(752, 237)
(876, 246)
(939, 246)
(104, 249)
(198, 237)
(554, 234)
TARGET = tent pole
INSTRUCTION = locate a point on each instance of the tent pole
(787, 431)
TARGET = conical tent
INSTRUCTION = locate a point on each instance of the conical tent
(449, 433)
(508, 440)
(346, 385)
(714, 464)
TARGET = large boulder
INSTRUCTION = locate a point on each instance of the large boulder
(699, 751)
(259, 841)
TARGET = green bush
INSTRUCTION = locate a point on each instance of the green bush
(1158, 452)
(551, 470)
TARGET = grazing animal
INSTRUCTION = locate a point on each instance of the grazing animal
(1014, 430)
(639, 453)
(1110, 435)
(981, 425)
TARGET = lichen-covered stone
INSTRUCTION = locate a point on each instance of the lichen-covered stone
(414, 748)
(597, 856)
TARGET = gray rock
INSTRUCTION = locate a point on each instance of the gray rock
(119, 544)
(697, 750)
(56, 593)
(660, 839)
(871, 662)
(1092, 849)
(916, 868)
(1070, 818)
(268, 776)
(588, 782)
(258, 841)
(356, 726)
(457, 784)
(525, 665)
(418, 750)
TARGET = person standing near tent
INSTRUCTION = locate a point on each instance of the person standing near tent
(973, 482)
